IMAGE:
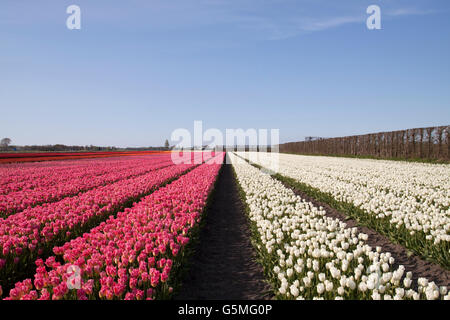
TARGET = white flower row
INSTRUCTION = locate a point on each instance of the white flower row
(413, 195)
(312, 256)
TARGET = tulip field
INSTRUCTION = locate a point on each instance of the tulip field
(408, 201)
(129, 215)
(310, 256)
(124, 227)
(34, 156)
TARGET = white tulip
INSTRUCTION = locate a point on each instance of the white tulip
(289, 272)
(282, 290)
(351, 284)
(415, 196)
(362, 287)
(407, 282)
(307, 281)
(375, 295)
(294, 291)
(328, 286)
(400, 292)
(301, 234)
(320, 288)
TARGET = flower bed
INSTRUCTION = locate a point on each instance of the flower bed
(407, 202)
(54, 186)
(131, 256)
(35, 231)
(307, 255)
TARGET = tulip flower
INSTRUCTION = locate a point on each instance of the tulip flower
(42, 225)
(411, 200)
(117, 259)
(336, 262)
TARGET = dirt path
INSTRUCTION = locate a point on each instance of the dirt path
(224, 265)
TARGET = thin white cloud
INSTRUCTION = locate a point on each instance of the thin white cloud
(408, 12)
(279, 30)
(276, 30)
(334, 22)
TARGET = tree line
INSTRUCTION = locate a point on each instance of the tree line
(430, 143)
(5, 145)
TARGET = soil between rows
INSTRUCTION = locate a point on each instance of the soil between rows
(224, 265)
(418, 266)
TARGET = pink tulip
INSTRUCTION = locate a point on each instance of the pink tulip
(38, 226)
(81, 295)
(45, 295)
(125, 254)
(23, 189)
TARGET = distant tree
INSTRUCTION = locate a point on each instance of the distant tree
(166, 144)
(5, 142)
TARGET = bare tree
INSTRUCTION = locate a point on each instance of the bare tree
(166, 144)
(424, 143)
(430, 141)
(439, 139)
(5, 143)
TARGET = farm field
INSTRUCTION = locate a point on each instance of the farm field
(48, 156)
(91, 192)
(309, 255)
(142, 227)
(409, 202)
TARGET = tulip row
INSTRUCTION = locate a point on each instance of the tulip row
(71, 182)
(408, 202)
(33, 232)
(29, 171)
(131, 256)
(307, 255)
(37, 175)
(32, 172)
(11, 158)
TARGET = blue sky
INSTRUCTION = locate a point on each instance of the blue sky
(137, 70)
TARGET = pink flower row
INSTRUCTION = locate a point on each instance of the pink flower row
(71, 182)
(29, 171)
(130, 256)
(21, 178)
(33, 229)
